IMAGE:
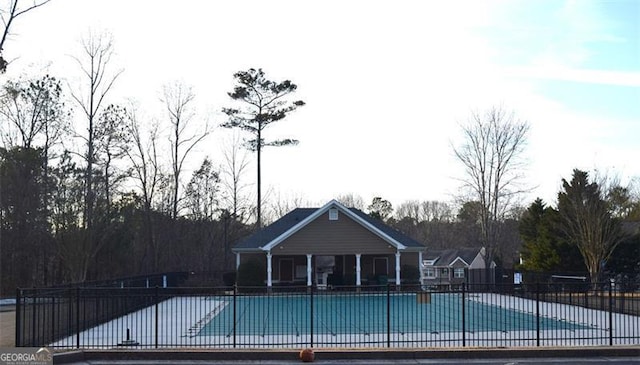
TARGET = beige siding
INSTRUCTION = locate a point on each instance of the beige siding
(341, 237)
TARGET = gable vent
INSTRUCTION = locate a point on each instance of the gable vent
(333, 214)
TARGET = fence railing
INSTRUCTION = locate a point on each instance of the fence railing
(293, 317)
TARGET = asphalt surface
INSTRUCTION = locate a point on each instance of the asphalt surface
(516, 356)
(546, 361)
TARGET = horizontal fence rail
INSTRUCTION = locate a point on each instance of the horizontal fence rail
(307, 316)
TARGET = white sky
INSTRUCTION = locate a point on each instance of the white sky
(386, 82)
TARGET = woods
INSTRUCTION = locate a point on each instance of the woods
(93, 187)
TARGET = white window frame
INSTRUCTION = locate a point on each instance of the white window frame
(444, 272)
(300, 272)
(430, 272)
(458, 272)
(333, 214)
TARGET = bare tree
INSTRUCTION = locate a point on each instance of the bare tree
(285, 204)
(144, 157)
(434, 210)
(351, 200)
(147, 173)
(491, 155)
(97, 50)
(234, 166)
(97, 82)
(178, 101)
(8, 16)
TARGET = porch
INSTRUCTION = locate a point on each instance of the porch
(326, 271)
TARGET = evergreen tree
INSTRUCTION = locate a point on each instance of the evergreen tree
(264, 102)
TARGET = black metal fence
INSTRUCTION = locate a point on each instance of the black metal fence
(293, 317)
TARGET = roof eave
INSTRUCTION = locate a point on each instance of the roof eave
(247, 249)
(458, 258)
(320, 211)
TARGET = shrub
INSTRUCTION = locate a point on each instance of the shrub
(410, 274)
(229, 278)
(252, 273)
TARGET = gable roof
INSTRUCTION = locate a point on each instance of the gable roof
(273, 234)
(449, 256)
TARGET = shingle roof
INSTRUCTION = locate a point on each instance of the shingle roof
(447, 257)
(275, 229)
(392, 232)
(282, 225)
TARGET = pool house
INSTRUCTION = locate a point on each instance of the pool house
(331, 246)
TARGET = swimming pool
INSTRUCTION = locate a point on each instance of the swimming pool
(340, 314)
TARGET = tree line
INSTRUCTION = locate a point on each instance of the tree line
(91, 189)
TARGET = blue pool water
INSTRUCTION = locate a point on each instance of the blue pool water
(367, 314)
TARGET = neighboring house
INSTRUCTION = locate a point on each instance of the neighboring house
(331, 245)
(453, 267)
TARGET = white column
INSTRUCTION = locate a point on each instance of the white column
(237, 260)
(269, 269)
(398, 268)
(308, 269)
(358, 281)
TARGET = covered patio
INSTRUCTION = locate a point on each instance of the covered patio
(330, 246)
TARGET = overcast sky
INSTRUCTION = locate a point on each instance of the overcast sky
(386, 82)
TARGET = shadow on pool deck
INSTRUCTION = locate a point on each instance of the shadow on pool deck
(187, 355)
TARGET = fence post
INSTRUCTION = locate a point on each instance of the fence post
(464, 324)
(537, 313)
(311, 316)
(18, 317)
(156, 299)
(53, 318)
(388, 316)
(235, 318)
(34, 308)
(610, 313)
(77, 317)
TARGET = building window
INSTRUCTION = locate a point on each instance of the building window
(333, 214)
(458, 273)
(301, 271)
(430, 273)
(444, 272)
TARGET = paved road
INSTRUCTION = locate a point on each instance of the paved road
(545, 361)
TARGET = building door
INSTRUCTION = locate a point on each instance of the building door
(286, 270)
